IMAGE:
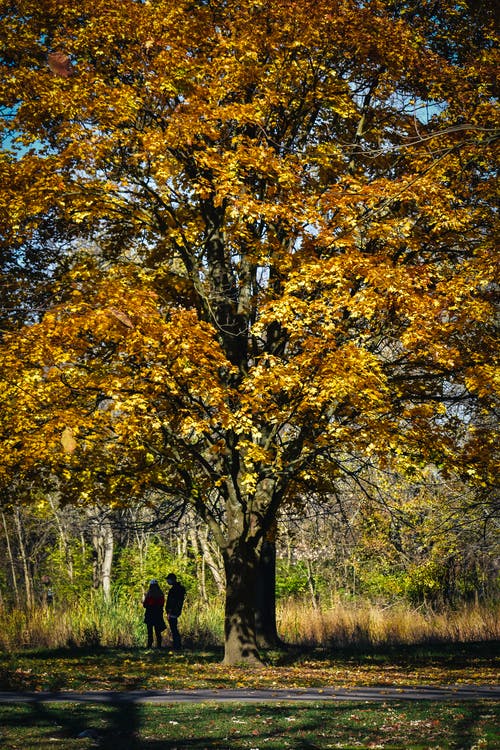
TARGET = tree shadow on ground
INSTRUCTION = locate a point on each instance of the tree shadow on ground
(292, 654)
(81, 723)
(129, 726)
(191, 651)
(458, 654)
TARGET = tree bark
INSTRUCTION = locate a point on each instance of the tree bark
(210, 560)
(28, 583)
(63, 537)
(311, 584)
(11, 561)
(240, 646)
(103, 543)
(107, 560)
(265, 597)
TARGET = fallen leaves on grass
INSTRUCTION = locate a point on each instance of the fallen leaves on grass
(117, 669)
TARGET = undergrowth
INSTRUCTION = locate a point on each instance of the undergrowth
(95, 622)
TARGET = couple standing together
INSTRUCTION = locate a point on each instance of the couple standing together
(153, 603)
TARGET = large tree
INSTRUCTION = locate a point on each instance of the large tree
(278, 219)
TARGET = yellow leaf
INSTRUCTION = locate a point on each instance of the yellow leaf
(68, 441)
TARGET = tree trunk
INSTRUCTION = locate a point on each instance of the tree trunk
(107, 560)
(199, 562)
(63, 537)
(240, 563)
(210, 560)
(311, 584)
(265, 597)
(11, 561)
(24, 559)
(103, 542)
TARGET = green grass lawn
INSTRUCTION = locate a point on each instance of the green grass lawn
(276, 726)
(139, 669)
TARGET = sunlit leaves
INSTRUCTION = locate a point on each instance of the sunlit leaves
(68, 441)
(199, 671)
(289, 209)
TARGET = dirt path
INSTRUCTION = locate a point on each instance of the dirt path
(419, 693)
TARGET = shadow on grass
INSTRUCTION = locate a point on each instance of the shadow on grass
(291, 654)
(112, 727)
(207, 655)
(120, 668)
(459, 654)
(128, 727)
(310, 727)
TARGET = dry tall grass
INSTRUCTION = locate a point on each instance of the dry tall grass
(357, 624)
(89, 623)
(94, 622)
(362, 623)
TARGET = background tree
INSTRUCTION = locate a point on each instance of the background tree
(391, 537)
(287, 212)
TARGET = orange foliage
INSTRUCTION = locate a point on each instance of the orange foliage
(287, 213)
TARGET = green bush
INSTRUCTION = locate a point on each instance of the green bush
(133, 569)
(291, 580)
(66, 586)
(377, 584)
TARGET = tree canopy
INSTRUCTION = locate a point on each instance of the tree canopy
(248, 247)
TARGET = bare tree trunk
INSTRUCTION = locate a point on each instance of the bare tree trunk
(11, 561)
(65, 548)
(142, 546)
(107, 561)
(182, 544)
(103, 543)
(210, 559)
(200, 567)
(311, 584)
(28, 583)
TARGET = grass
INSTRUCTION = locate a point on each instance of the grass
(311, 726)
(138, 669)
(358, 624)
(361, 622)
(411, 725)
(93, 622)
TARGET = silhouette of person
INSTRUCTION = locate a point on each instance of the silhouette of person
(153, 603)
(175, 600)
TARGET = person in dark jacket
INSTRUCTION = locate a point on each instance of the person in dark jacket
(175, 600)
(153, 603)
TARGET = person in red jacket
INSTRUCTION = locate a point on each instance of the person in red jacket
(153, 603)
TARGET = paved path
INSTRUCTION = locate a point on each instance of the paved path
(419, 693)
